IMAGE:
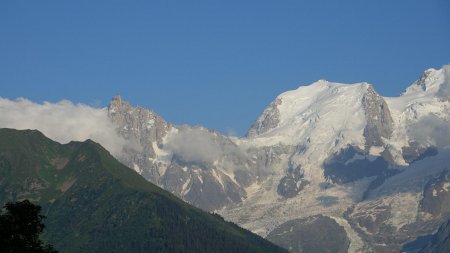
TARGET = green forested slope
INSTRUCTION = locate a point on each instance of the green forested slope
(95, 204)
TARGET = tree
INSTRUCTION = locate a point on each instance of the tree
(20, 227)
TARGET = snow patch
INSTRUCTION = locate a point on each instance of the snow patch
(186, 187)
(356, 243)
(137, 168)
(150, 123)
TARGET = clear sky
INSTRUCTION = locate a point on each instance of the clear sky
(214, 63)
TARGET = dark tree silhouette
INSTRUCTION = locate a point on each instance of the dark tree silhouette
(20, 227)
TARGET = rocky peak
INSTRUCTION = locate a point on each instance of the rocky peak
(425, 78)
(430, 82)
(144, 129)
(117, 105)
(116, 100)
(140, 123)
(378, 117)
(268, 120)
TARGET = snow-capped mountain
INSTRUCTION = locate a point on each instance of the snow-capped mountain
(371, 171)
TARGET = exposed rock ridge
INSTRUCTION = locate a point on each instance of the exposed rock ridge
(269, 119)
(379, 119)
(145, 129)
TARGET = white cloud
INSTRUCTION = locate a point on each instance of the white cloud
(62, 122)
(432, 130)
(201, 145)
(444, 90)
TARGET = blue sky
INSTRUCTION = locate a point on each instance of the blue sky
(214, 63)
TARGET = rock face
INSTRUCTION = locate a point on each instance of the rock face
(268, 120)
(291, 184)
(436, 195)
(415, 152)
(145, 131)
(379, 119)
(400, 220)
(351, 164)
(206, 187)
(437, 243)
(318, 234)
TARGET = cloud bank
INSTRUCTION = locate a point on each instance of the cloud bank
(62, 122)
(201, 145)
(432, 130)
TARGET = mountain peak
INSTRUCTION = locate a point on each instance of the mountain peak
(117, 104)
(308, 103)
(426, 78)
(429, 82)
(134, 119)
(117, 99)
